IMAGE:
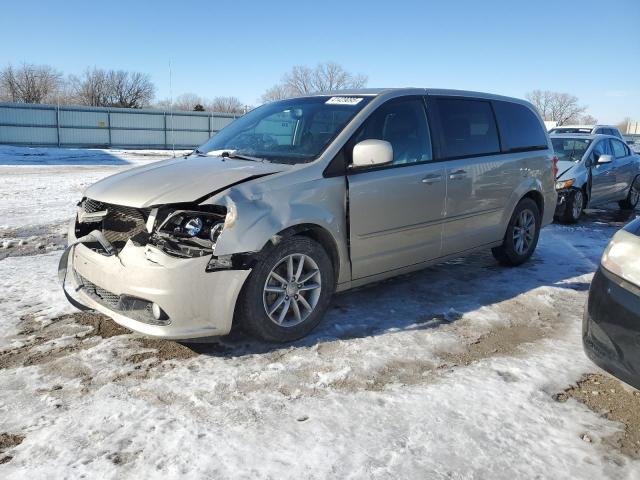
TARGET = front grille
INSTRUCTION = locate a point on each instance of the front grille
(133, 307)
(120, 224)
(103, 296)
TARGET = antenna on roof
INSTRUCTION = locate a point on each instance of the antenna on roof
(173, 139)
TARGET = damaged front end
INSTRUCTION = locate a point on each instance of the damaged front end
(181, 231)
(150, 269)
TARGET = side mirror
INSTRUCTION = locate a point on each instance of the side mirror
(369, 153)
(605, 159)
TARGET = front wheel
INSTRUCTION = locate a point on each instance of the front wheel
(522, 234)
(288, 291)
(574, 207)
(633, 196)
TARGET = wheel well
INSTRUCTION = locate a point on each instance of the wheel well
(538, 198)
(317, 233)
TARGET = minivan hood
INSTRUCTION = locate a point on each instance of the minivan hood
(564, 167)
(177, 180)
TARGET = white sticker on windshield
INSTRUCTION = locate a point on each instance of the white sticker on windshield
(344, 101)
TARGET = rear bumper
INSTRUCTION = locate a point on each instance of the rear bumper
(197, 303)
(611, 327)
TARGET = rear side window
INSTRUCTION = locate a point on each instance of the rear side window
(619, 150)
(519, 127)
(467, 127)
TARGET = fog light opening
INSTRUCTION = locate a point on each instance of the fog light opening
(158, 313)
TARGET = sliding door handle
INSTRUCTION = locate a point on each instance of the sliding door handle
(458, 174)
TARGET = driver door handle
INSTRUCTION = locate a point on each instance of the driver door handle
(432, 178)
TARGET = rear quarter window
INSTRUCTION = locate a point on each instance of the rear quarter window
(520, 129)
(466, 127)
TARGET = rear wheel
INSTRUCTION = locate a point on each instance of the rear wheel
(522, 234)
(633, 196)
(574, 207)
(288, 291)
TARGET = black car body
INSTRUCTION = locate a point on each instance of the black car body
(611, 325)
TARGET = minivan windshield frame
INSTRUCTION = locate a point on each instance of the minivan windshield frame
(291, 131)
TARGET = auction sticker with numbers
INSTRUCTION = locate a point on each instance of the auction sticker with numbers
(344, 101)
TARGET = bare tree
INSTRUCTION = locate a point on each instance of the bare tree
(187, 102)
(92, 88)
(588, 120)
(30, 83)
(225, 105)
(303, 80)
(129, 89)
(114, 88)
(559, 107)
(277, 92)
(623, 125)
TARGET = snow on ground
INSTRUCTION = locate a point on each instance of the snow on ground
(446, 373)
(52, 180)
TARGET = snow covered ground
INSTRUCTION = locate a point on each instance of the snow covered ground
(448, 373)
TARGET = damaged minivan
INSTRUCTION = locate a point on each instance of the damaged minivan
(305, 197)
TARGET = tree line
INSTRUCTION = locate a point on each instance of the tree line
(97, 87)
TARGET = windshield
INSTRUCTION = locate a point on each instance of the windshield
(288, 131)
(586, 131)
(570, 149)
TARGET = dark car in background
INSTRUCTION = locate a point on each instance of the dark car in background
(611, 325)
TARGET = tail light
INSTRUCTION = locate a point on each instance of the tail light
(555, 166)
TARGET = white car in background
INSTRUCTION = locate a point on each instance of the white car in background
(587, 130)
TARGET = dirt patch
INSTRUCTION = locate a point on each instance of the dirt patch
(61, 337)
(499, 342)
(102, 325)
(608, 397)
(7, 442)
(162, 350)
(18, 242)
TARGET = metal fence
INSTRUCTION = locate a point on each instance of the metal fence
(76, 126)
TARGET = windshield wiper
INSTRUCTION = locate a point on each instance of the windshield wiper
(233, 154)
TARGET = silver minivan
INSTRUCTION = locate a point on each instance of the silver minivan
(305, 197)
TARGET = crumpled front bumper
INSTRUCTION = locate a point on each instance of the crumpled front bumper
(563, 198)
(197, 303)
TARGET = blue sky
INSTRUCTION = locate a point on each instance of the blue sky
(240, 48)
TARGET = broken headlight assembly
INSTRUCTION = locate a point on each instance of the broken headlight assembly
(189, 233)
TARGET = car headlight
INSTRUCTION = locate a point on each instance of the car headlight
(621, 257)
(189, 233)
(190, 224)
(562, 184)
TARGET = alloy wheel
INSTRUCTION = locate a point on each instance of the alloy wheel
(634, 195)
(524, 231)
(292, 290)
(577, 204)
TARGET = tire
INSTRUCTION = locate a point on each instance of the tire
(633, 196)
(265, 290)
(574, 207)
(511, 253)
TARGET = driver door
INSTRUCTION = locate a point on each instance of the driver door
(603, 178)
(396, 210)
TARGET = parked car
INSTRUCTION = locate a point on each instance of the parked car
(304, 197)
(634, 144)
(611, 325)
(592, 170)
(588, 130)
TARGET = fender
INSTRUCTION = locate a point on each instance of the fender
(527, 185)
(262, 213)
